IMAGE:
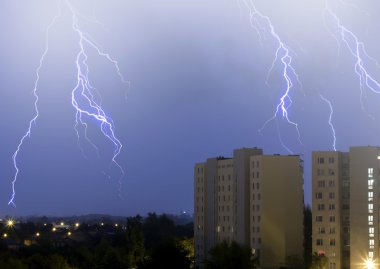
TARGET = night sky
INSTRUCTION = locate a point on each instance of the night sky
(197, 73)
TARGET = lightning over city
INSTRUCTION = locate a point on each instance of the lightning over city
(82, 96)
(209, 77)
(283, 57)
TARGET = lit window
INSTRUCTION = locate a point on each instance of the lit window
(370, 208)
(370, 172)
(370, 220)
(370, 184)
(370, 196)
(370, 254)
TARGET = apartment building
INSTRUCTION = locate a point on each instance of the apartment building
(330, 207)
(253, 199)
(346, 207)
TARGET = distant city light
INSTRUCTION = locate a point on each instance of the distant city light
(116, 224)
(77, 224)
(45, 224)
(62, 223)
(10, 223)
(69, 233)
(5, 235)
(54, 229)
(37, 234)
(102, 224)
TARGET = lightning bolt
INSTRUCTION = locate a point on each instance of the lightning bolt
(328, 102)
(358, 52)
(82, 96)
(283, 56)
(36, 114)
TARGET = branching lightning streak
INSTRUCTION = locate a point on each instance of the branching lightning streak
(282, 54)
(82, 96)
(358, 52)
(34, 119)
(330, 119)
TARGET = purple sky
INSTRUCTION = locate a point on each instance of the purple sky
(198, 89)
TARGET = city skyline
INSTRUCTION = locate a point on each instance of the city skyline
(198, 87)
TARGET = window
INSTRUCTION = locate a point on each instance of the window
(370, 196)
(332, 218)
(331, 159)
(331, 183)
(318, 218)
(331, 206)
(332, 265)
(370, 208)
(319, 242)
(321, 183)
(332, 242)
(371, 231)
(321, 207)
(258, 185)
(370, 220)
(318, 195)
(332, 230)
(370, 184)
(320, 172)
(331, 172)
(321, 160)
(370, 172)
(257, 174)
(321, 230)
(332, 195)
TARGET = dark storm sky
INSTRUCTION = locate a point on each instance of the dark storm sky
(197, 89)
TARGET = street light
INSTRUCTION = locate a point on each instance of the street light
(10, 223)
(370, 264)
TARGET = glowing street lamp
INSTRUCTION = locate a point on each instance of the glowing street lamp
(37, 234)
(370, 264)
(54, 229)
(10, 223)
(69, 233)
(5, 235)
(77, 224)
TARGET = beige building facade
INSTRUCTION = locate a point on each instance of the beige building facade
(345, 208)
(253, 199)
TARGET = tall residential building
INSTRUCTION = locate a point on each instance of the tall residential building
(253, 199)
(330, 206)
(346, 207)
